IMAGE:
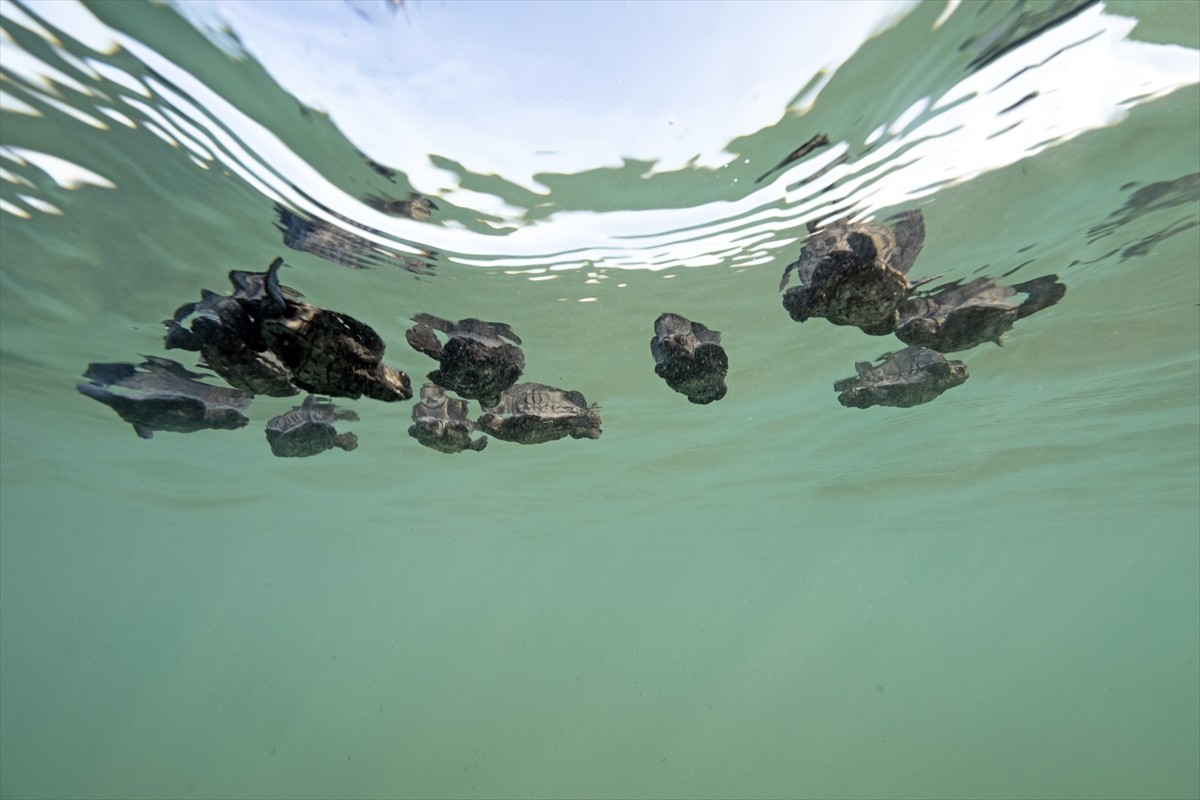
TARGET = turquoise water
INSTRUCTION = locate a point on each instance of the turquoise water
(996, 594)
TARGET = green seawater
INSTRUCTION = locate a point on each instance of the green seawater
(996, 594)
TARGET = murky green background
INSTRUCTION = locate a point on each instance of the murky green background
(992, 595)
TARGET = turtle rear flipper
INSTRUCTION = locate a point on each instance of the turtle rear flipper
(346, 441)
(422, 339)
(478, 444)
(1043, 292)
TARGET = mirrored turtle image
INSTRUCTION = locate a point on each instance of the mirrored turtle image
(226, 331)
(856, 273)
(308, 429)
(327, 352)
(441, 423)
(331, 242)
(906, 378)
(532, 413)
(961, 317)
(476, 362)
(161, 395)
(689, 357)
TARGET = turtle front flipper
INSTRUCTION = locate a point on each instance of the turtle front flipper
(422, 339)
(346, 441)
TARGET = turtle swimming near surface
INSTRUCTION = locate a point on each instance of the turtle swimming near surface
(475, 362)
(441, 422)
(906, 378)
(328, 352)
(308, 429)
(856, 273)
(689, 357)
(532, 413)
(163, 396)
(961, 317)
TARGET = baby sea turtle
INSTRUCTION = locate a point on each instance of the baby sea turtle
(960, 317)
(907, 378)
(328, 352)
(164, 397)
(441, 422)
(855, 273)
(689, 357)
(532, 413)
(475, 361)
(308, 429)
(227, 333)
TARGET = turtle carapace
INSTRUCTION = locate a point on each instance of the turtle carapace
(475, 362)
(308, 429)
(906, 378)
(532, 413)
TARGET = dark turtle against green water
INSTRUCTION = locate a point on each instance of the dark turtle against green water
(163, 396)
(532, 413)
(689, 357)
(227, 332)
(327, 352)
(907, 378)
(957, 317)
(855, 273)
(308, 429)
(441, 423)
(476, 362)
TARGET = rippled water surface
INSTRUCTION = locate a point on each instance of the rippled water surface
(995, 594)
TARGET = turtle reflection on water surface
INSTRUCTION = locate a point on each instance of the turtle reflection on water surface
(907, 378)
(961, 317)
(308, 429)
(475, 362)
(532, 413)
(855, 273)
(441, 423)
(689, 357)
(164, 397)
(328, 352)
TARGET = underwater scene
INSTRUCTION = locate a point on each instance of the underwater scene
(403, 398)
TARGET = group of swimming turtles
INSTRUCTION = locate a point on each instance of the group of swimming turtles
(265, 339)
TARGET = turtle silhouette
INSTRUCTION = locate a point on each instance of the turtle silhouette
(161, 395)
(475, 362)
(689, 357)
(906, 378)
(327, 352)
(960, 317)
(441, 422)
(308, 429)
(856, 273)
(532, 413)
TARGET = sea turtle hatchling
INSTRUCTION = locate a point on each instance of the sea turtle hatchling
(960, 317)
(475, 362)
(906, 378)
(441, 423)
(308, 429)
(163, 396)
(226, 330)
(327, 352)
(532, 413)
(855, 273)
(689, 357)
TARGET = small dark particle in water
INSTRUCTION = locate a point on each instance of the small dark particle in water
(308, 429)
(855, 273)
(441, 423)
(532, 413)
(328, 352)
(961, 317)
(815, 143)
(907, 378)
(689, 357)
(161, 395)
(476, 362)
